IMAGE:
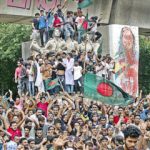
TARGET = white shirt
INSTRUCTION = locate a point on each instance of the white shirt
(79, 21)
(77, 72)
(11, 145)
(94, 28)
(105, 69)
(98, 71)
(30, 73)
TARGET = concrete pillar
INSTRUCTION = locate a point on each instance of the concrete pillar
(26, 52)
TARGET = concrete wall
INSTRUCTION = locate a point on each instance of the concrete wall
(21, 11)
(128, 12)
(131, 12)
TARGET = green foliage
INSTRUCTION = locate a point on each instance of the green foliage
(11, 37)
(144, 65)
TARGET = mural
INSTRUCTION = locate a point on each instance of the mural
(125, 50)
(26, 4)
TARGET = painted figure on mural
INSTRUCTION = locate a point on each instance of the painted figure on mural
(127, 62)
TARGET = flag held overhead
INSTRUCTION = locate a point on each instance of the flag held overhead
(50, 84)
(84, 3)
(100, 89)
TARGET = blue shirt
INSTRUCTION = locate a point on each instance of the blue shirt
(50, 19)
(143, 114)
(42, 22)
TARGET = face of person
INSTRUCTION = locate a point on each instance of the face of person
(50, 131)
(26, 130)
(32, 144)
(123, 126)
(25, 143)
(94, 131)
(59, 7)
(19, 64)
(111, 119)
(14, 126)
(16, 111)
(130, 143)
(103, 121)
(110, 131)
(39, 112)
(104, 143)
(43, 100)
(30, 113)
(50, 117)
(127, 39)
(94, 108)
(58, 125)
(46, 62)
(55, 110)
(29, 123)
(16, 139)
(137, 119)
(95, 118)
(39, 133)
(16, 119)
(120, 110)
(42, 13)
(41, 123)
(37, 16)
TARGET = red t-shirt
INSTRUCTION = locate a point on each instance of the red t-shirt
(57, 23)
(14, 132)
(43, 106)
(116, 119)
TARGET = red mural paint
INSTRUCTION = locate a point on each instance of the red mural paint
(13, 3)
(26, 4)
(43, 4)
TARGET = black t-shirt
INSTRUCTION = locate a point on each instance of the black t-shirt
(38, 140)
(36, 23)
(60, 67)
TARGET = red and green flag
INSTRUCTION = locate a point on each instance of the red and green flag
(51, 84)
(100, 89)
(84, 3)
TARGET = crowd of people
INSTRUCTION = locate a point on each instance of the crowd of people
(70, 23)
(71, 122)
(61, 118)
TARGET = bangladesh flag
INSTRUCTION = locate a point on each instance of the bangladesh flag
(100, 89)
(50, 84)
(84, 3)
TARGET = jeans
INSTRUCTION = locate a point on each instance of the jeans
(69, 32)
(46, 35)
(1, 146)
(31, 88)
(69, 88)
(78, 85)
(51, 30)
(80, 32)
(62, 80)
(42, 33)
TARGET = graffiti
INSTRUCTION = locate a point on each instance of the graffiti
(39, 4)
(24, 4)
(43, 4)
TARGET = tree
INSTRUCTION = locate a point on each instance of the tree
(11, 37)
(144, 63)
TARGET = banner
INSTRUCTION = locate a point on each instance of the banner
(124, 48)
